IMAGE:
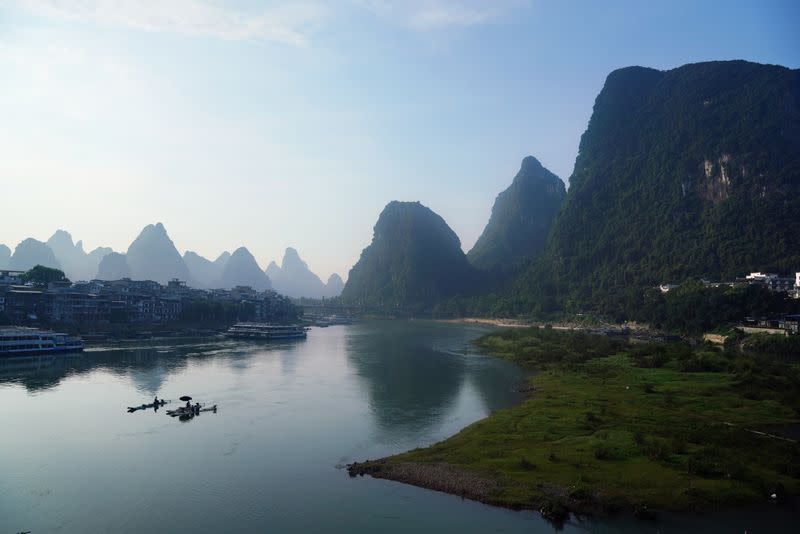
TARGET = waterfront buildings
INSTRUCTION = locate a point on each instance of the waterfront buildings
(99, 302)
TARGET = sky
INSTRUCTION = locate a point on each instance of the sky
(269, 124)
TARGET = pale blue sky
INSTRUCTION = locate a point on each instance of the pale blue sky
(292, 123)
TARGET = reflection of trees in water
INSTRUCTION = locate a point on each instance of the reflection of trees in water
(411, 386)
(147, 366)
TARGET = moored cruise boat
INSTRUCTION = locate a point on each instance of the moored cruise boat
(266, 331)
(22, 341)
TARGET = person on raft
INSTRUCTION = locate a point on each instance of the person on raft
(197, 408)
(155, 401)
(188, 405)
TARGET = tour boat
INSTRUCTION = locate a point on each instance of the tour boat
(266, 331)
(22, 341)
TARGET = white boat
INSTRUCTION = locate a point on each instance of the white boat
(266, 331)
(23, 341)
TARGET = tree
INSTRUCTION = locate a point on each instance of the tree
(41, 276)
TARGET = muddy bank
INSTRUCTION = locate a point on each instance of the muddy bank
(556, 506)
(439, 477)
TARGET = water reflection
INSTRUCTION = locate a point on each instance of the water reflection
(147, 365)
(414, 374)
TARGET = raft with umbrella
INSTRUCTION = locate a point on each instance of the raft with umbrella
(183, 411)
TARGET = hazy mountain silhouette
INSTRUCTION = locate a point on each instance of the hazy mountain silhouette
(334, 286)
(77, 264)
(98, 254)
(241, 269)
(113, 266)
(30, 253)
(153, 256)
(521, 219)
(204, 271)
(5, 256)
(294, 279)
(273, 270)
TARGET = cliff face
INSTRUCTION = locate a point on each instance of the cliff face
(692, 172)
(521, 219)
(414, 261)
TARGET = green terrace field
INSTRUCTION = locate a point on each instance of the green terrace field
(616, 426)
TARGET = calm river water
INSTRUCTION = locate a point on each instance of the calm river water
(271, 459)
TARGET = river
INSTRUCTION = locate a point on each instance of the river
(290, 416)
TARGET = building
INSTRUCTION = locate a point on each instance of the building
(790, 324)
(23, 303)
(99, 302)
(75, 307)
(772, 281)
(10, 278)
(796, 293)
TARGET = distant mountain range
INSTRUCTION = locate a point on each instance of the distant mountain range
(31, 252)
(153, 256)
(78, 264)
(241, 269)
(294, 279)
(690, 172)
(113, 267)
(203, 271)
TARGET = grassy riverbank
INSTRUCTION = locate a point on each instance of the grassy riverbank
(611, 425)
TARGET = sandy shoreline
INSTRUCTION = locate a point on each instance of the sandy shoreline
(502, 323)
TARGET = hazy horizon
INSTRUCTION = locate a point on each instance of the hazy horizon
(278, 124)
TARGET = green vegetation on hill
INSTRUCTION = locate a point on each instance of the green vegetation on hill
(684, 173)
(694, 308)
(613, 425)
(521, 219)
(414, 261)
(690, 173)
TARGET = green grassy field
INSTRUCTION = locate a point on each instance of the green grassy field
(611, 425)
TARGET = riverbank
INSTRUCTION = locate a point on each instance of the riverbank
(610, 427)
(583, 324)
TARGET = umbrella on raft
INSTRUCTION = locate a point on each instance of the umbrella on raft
(186, 398)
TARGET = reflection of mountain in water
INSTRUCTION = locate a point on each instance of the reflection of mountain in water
(414, 373)
(147, 365)
(497, 383)
(411, 386)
